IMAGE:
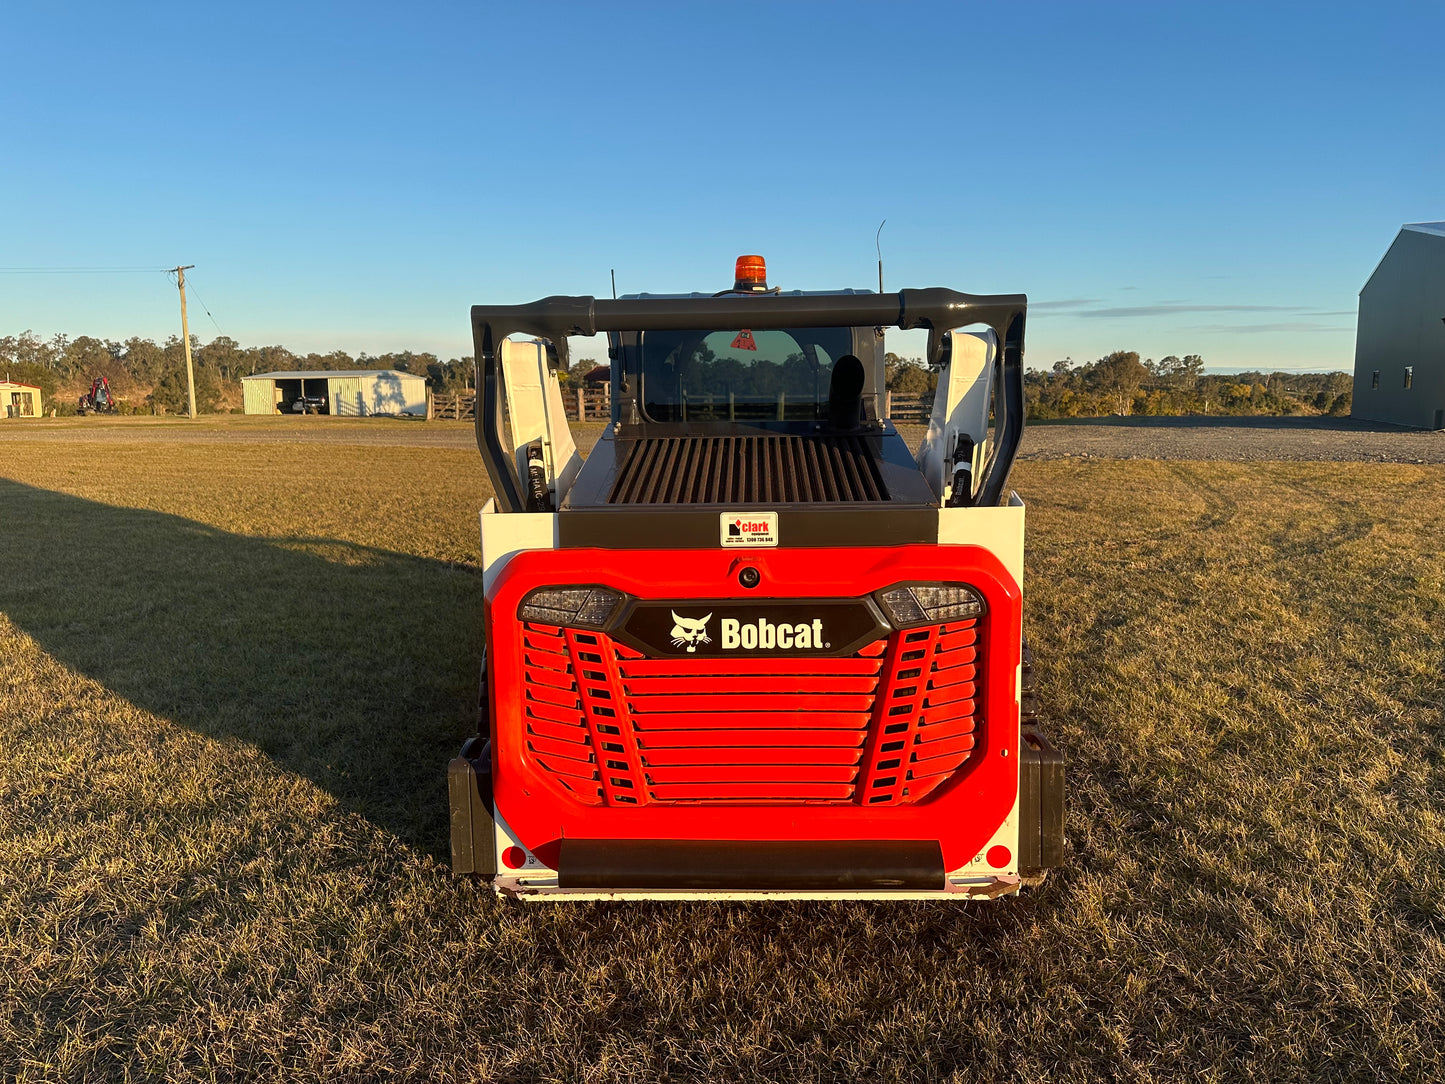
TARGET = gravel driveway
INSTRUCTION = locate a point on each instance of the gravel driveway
(241, 429)
(1322, 439)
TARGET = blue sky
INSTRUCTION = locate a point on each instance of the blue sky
(1214, 179)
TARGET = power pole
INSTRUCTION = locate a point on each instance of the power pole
(186, 338)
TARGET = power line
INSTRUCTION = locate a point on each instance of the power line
(203, 307)
(83, 270)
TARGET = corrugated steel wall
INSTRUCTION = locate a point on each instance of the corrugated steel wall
(1402, 323)
(258, 396)
(345, 395)
(395, 393)
(415, 388)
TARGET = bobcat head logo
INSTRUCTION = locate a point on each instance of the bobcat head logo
(690, 631)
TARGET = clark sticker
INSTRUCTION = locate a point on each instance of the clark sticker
(749, 528)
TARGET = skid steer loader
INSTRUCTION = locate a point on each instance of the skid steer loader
(754, 646)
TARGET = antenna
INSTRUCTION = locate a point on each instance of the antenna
(614, 284)
(878, 244)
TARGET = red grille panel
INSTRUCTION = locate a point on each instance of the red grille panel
(885, 726)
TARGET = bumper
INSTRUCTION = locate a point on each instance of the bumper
(752, 869)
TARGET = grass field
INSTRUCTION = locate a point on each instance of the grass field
(231, 677)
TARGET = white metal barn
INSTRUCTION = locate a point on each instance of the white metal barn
(1400, 338)
(353, 393)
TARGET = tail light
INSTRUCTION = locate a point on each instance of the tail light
(587, 607)
(909, 604)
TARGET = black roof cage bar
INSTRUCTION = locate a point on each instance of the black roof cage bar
(939, 310)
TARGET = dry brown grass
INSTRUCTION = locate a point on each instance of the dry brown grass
(232, 677)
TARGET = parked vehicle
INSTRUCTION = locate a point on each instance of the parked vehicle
(98, 400)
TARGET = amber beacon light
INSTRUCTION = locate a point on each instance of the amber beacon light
(750, 273)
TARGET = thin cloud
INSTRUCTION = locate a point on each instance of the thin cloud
(1291, 326)
(1235, 370)
(1087, 307)
(1170, 309)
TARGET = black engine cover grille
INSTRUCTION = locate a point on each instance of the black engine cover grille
(782, 469)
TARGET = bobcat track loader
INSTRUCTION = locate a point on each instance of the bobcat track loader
(754, 647)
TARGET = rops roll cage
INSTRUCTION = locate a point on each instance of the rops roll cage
(939, 310)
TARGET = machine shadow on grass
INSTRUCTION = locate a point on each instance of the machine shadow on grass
(352, 666)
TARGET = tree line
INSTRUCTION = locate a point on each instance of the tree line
(147, 377)
(1123, 383)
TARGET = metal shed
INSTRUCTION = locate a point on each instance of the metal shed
(19, 400)
(1400, 337)
(348, 392)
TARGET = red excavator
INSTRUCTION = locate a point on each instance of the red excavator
(99, 400)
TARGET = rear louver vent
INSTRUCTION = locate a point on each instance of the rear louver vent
(748, 470)
(884, 727)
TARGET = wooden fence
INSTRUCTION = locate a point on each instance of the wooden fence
(907, 408)
(581, 404)
(459, 406)
(594, 404)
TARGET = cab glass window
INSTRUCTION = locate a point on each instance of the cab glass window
(738, 374)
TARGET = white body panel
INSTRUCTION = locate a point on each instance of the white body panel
(504, 535)
(999, 530)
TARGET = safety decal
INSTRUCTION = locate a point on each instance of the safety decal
(744, 341)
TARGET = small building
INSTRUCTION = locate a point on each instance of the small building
(1400, 336)
(19, 400)
(352, 393)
